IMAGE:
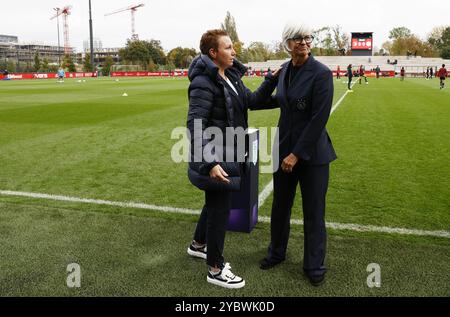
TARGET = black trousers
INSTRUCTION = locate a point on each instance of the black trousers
(313, 182)
(349, 82)
(212, 225)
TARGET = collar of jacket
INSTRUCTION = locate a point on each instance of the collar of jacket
(309, 63)
(203, 64)
(308, 66)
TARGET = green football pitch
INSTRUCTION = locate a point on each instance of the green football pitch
(85, 140)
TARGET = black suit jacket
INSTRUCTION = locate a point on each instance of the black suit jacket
(305, 107)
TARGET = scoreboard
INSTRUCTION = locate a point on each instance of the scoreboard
(362, 43)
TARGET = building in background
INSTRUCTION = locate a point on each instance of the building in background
(97, 43)
(8, 39)
(100, 55)
(22, 54)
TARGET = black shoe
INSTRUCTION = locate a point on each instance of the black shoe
(265, 264)
(316, 280)
(197, 251)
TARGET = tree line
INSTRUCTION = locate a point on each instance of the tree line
(403, 42)
(328, 41)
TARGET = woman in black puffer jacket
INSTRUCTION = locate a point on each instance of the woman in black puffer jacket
(218, 99)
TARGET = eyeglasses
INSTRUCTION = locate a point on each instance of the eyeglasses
(299, 39)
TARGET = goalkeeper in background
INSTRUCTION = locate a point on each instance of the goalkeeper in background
(61, 75)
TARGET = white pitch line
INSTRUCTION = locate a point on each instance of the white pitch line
(265, 193)
(101, 202)
(370, 228)
(334, 107)
(269, 187)
(264, 219)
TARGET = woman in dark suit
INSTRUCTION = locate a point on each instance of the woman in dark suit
(304, 95)
(218, 99)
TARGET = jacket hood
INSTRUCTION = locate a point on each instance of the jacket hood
(203, 65)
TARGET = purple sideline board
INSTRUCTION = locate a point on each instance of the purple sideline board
(244, 204)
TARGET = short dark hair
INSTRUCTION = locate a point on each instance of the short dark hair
(210, 39)
(443, 65)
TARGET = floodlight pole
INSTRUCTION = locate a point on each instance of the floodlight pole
(57, 27)
(91, 37)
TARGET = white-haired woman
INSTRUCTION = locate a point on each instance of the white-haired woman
(304, 95)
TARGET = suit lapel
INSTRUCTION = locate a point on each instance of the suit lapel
(282, 83)
(298, 78)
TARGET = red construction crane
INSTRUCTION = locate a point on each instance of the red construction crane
(133, 9)
(64, 12)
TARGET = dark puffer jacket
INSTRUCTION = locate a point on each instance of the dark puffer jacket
(210, 102)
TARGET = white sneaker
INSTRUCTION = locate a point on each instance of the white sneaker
(225, 278)
(198, 252)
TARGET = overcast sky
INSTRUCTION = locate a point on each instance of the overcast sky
(181, 22)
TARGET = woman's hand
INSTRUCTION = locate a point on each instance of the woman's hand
(288, 163)
(219, 174)
(277, 72)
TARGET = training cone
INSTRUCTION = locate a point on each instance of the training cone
(125, 94)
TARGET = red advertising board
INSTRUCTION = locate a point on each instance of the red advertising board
(46, 75)
(369, 73)
(149, 74)
(180, 73)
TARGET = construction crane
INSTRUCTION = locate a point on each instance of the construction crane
(133, 9)
(64, 12)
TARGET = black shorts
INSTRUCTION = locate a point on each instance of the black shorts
(442, 78)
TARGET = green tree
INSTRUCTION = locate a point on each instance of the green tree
(151, 67)
(156, 51)
(323, 43)
(329, 48)
(446, 37)
(107, 65)
(341, 40)
(37, 62)
(136, 52)
(142, 52)
(11, 66)
(278, 52)
(53, 68)
(44, 66)
(258, 52)
(229, 25)
(445, 52)
(68, 63)
(170, 66)
(330, 41)
(87, 66)
(435, 37)
(319, 38)
(238, 48)
(399, 32)
(387, 47)
(412, 44)
(181, 57)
